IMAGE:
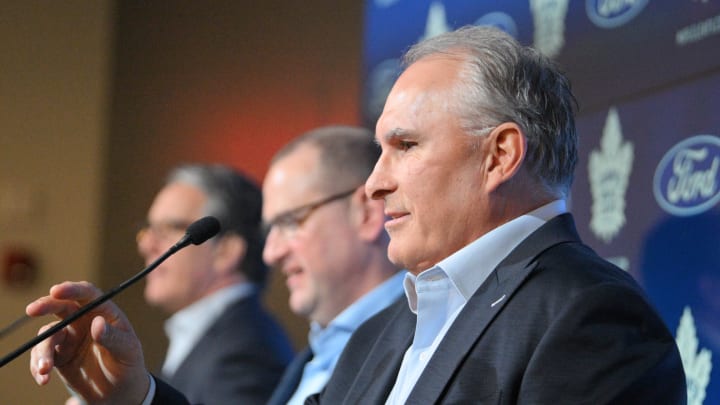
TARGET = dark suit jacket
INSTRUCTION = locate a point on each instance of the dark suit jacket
(291, 378)
(293, 375)
(239, 360)
(553, 324)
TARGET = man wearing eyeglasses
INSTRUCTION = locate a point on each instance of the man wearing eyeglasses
(323, 233)
(327, 237)
(224, 347)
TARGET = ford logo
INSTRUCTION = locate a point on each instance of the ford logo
(687, 180)
(613, 13)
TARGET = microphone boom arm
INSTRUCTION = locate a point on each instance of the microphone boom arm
(208, 227)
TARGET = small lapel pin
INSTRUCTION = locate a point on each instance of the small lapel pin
(498, 301)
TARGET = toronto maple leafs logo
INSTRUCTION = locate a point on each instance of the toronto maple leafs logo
(549, 22)
(609, 171)
(697, 364)
(436, 23)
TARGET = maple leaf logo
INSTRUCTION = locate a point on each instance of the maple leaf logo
(697, 365)
(609, 170)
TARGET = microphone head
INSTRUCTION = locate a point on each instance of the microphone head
(202, 230)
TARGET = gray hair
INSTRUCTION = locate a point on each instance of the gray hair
(347, 154)
(502, 81)
(236, 201)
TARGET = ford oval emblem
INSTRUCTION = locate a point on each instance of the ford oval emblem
(687, 180)
(613, 13)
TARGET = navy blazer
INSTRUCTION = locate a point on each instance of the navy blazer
(553, 324)
(239, 360)
(291, 378)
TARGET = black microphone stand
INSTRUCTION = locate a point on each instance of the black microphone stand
(97, 301)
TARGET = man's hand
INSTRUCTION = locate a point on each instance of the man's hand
(98, 355)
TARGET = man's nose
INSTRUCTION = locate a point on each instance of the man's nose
(275, 247)
(379, 184)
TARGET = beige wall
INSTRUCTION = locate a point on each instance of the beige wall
(98, 99)
(54, 71)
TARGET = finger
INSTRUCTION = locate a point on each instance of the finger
(99, 330)
(49, 305)
(120, 340)
(41, 378)
(60, 298)
(81, 291)
(73, 401)
(42, 356)
(66, 298)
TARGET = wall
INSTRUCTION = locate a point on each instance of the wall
(54, 68)
(100, 99)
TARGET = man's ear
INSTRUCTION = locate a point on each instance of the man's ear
(506, 148)
(230, 250)
(367, 215)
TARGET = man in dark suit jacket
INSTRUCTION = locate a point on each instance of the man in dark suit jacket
(571, 328)
(505, 304)
(239, 358)
(224, 346)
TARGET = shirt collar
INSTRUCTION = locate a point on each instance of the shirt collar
(468, 268)
(196, 318)
(359, 311)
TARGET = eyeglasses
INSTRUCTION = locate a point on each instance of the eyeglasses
(164, 231)
(288, 222)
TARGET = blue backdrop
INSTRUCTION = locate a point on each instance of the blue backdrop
(647, 187)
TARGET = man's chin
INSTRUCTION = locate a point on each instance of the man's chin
(154, 300)
(395, 255)
(299, 308)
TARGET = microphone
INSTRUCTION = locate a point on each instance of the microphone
(197, 233)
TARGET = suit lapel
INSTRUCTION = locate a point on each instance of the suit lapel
(485, 304)
(291, 378)
(379, 371)
(206, 344)
(470, 324)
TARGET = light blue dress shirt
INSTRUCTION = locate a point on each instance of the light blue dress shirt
(437, 295)
(327, 343)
